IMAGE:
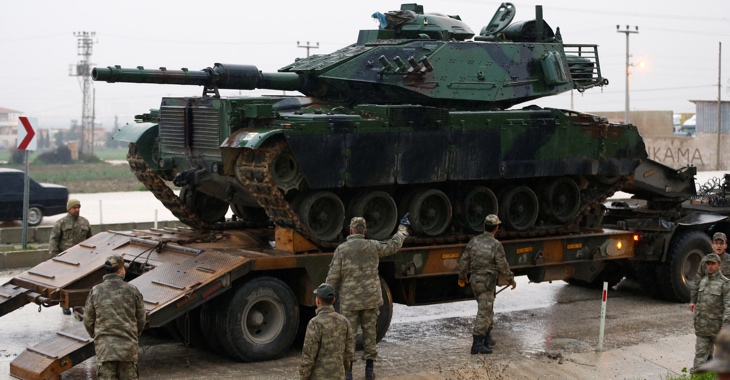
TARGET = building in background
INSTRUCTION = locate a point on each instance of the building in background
(8, 128)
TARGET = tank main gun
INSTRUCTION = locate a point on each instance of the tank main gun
(415, 57)
(220, 76)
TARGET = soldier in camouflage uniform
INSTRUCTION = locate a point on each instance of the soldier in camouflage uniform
(68, 231)
(719, 245)
(354, 273)
(114, 316)
(712, 309)
(720, 362)
(329, 341)
(484, 258)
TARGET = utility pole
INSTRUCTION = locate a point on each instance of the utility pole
(84, 46)
(719, 105)
(308, 46)
(627, 32)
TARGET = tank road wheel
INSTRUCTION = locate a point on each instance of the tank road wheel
(285, 170)
(518, 208)
(475, 206)
(379, 210)
(255, 215)
(208, 208)
(677, 273)
(430, 212)
(260, 321)
(561, 199)
(323, 213)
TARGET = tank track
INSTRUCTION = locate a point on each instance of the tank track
(170, 200)
(253, 168)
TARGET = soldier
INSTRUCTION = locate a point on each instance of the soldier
(720, 362)
(719, 245)
(114, 316)
(329, 341)
(354, 272)
(712, 309)
(484, 258)
(68, 231)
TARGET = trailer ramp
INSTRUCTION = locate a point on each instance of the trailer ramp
(171, 277)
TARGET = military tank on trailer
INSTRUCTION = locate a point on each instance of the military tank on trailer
(416, 116)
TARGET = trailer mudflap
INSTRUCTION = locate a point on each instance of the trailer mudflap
(48, 359)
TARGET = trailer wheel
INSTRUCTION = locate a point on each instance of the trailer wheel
(678, 271)
(190, 328)
(208, 323)
(260, 321)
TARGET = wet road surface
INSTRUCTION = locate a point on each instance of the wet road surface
(537, 326)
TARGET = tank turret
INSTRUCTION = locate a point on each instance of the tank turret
(413, 117)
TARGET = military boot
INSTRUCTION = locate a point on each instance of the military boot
(478, 346)
(488, 341)
(369, 374)
(348, 372)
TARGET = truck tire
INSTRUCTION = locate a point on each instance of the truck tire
(678, 271)
(260, 321)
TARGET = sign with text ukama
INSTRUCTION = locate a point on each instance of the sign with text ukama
(26, 133)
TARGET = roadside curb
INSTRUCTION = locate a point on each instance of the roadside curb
(23, 259)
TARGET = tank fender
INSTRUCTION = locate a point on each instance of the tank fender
(136, 133)
(248, 139)
(242, 139)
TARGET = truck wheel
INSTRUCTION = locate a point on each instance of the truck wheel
(678, 271)
(260, 321)
(384, 318)
(35, 215)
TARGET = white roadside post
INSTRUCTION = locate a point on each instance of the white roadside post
(26, 141)
(603, 316)
(101, 220)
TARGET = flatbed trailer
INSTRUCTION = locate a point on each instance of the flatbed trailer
(245, 293)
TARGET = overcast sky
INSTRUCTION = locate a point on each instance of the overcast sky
(677, 40)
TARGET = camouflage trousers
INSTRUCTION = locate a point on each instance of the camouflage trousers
(483, 288)
(703, 349)
(117, 370)
(367, 320)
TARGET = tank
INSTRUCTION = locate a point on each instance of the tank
(418, 116)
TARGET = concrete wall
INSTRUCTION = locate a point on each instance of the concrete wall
(40, 235)
(699, 151)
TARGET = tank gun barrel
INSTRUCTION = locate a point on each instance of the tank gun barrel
(222, 76)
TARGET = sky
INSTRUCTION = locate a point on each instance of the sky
(678, 43)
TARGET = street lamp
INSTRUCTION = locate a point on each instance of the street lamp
(627, 32)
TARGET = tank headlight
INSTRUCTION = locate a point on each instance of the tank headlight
(619, 245)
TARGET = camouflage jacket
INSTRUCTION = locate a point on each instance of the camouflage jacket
(354, 270)
(328, 346)
(484, 255)
(702, 271)
(713, 304)
(67, 232)
(114, 316)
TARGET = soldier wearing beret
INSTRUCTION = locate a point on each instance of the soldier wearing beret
(68, 231)
(719, 245)
(484, 258)
(114, 316)
(329, 341)
(354, 273)
(712, 309)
